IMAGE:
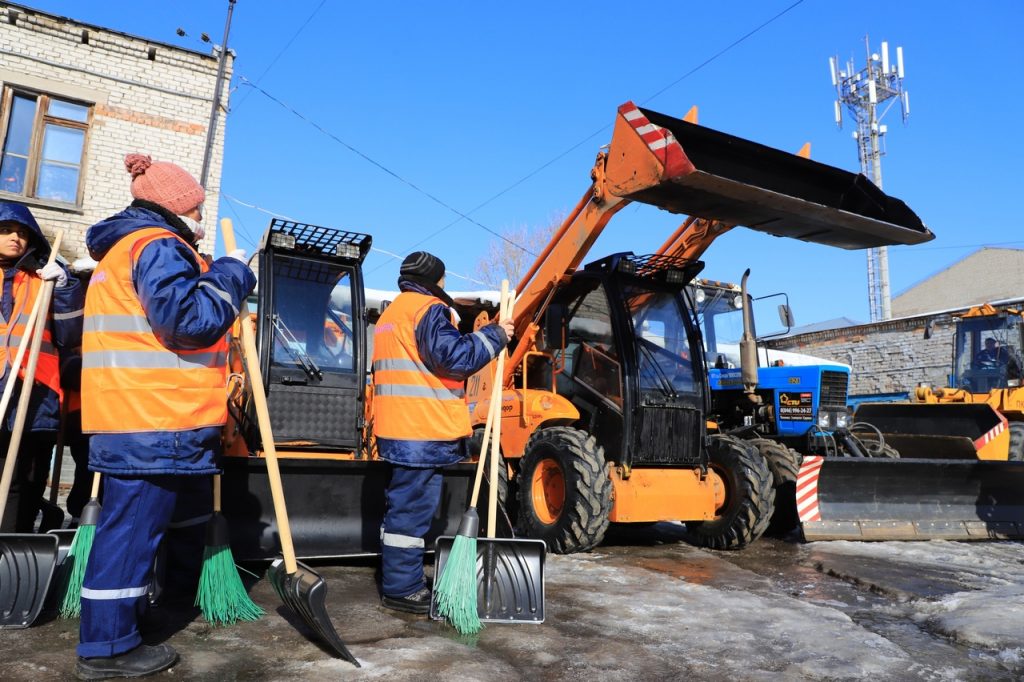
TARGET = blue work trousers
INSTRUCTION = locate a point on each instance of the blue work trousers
(413, 496)
(137, 512)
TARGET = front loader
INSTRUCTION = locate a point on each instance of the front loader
(606, 397)
(961, 472)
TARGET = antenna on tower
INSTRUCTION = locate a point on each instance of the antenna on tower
(880, 86)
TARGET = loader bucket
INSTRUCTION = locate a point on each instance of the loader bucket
(686, 168)
(939, 430)
(849, 498)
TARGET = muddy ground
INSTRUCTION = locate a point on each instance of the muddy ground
(643, 606)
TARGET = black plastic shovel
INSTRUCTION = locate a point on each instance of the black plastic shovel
(27, 561)
(300, 587)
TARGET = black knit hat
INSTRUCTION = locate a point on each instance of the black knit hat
(422, 264)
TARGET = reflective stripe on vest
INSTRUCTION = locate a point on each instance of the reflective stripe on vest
(409, 401)
(130, 381)
(25, 289)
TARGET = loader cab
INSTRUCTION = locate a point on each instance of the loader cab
(312, 334)
(628, 362)
(986, 352)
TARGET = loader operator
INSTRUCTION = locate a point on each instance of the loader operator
(23, 254)
(994, 356)
(154, 367)
(421, 421)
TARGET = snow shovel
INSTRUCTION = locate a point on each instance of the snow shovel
(27, 560)
(299, 587)
(510, 571)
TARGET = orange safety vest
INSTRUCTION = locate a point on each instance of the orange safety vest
(409, 401)
(26, 289)
(130, 381)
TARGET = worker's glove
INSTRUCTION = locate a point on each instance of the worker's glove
(238, 254)
(54, 272)
(509, 327)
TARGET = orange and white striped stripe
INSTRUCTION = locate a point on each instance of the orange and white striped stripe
(807, 489)
(660, 141)
(990, 435)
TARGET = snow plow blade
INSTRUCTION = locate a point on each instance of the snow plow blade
(690, 169)
(954, 431)
(847, 498)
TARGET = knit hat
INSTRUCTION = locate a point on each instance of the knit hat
(422, 264)
(164, 183)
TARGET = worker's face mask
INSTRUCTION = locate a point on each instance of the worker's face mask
(195, 226)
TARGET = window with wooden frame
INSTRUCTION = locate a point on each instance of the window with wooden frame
(43, 138)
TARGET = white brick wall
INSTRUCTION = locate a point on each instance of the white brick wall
(159, 107)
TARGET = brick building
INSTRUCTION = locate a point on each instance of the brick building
(894, 356)
(76, 98)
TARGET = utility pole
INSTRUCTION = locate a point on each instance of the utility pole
(862, 92)
(211, 129)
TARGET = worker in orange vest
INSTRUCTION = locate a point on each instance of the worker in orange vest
(23, 254)
(421, 420)
(154, 369)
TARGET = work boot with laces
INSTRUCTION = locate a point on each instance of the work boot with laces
(417, 602)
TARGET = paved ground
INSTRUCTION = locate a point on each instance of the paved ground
(644, 606)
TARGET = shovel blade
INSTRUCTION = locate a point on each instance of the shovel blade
(305, 593)
(27, 562)
(510, 578)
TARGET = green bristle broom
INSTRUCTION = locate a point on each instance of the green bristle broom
(221, 596)
(455, 590)
(77, 559)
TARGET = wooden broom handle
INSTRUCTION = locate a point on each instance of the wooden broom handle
(95, 485)
(33, 335)
(493, 413)
(259, 395)
(216, 494)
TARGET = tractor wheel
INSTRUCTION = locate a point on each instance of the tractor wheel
(565, 493)
(474, 450)
(1016, 452)
(784, 463)
(749, 496)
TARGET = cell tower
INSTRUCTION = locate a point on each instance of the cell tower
(878, 84)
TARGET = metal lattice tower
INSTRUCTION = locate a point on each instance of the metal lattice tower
(878, 84)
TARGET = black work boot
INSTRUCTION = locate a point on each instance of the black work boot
(417, 602)
(140, 661)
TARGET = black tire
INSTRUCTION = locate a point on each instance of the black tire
(784, 464)
(564, 490)
(503, 486)
(749, 496)
(1016, 452)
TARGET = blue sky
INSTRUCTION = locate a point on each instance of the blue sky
(475, 102)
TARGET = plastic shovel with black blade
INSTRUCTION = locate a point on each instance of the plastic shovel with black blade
(27, 561)
(509, 571)
(299, 586)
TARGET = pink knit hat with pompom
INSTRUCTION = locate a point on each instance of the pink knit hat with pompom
(164, 183)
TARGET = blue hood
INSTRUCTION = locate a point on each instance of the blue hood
(104, 234)
(38, 246)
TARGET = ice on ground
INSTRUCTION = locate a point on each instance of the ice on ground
(987, 612)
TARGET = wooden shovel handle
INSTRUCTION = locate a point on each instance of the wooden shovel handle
(259, 396)
(33, 336)
(493, 413)
(504, 310)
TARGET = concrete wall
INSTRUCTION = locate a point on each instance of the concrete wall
(147, 97)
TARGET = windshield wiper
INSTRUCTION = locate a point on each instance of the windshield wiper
(666, 384)
(292, 345)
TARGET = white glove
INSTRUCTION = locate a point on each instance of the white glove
(199, 231)
(52, 271)
(239, 254)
